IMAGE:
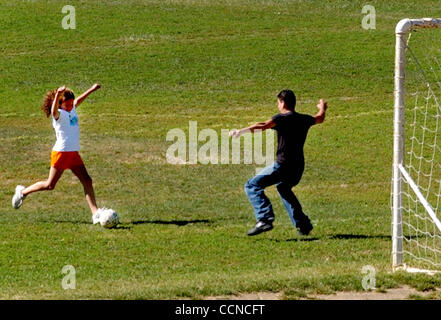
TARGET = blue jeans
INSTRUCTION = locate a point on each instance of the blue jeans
(285, 180)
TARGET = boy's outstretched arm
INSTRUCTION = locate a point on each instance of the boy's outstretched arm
(257, 126)
(84, 95)
(320, 116)
(54, 108)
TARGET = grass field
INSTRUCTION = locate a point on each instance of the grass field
(220, 63)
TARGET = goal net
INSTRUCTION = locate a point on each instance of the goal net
(416, 182)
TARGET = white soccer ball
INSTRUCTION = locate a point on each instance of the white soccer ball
(109, 218)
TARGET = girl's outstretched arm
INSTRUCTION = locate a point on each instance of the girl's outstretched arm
(257, 126)
(54, 109)
(84, 95)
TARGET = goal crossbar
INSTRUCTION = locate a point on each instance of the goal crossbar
(406, 25)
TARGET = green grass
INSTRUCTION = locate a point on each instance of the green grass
(183, 231)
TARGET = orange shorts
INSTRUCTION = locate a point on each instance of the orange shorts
(65, 160)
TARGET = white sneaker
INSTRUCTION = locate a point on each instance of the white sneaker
(96, 216)
(18, 197)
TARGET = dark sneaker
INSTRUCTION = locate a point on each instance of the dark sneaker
(261, 226)
(305, 228)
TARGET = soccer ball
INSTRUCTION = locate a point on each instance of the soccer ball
(109, 218)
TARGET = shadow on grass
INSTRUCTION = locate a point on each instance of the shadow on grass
(118, 227)
(306, 239)
(68, 221)
(128, 226)
(121, 227)
(175, 222)
(357, 236)
(333, 237)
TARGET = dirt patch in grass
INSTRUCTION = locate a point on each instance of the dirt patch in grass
(402, 293)
(250, 296)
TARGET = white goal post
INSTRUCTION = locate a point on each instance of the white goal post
(401, 175)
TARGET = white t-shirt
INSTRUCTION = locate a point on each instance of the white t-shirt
(67, 131)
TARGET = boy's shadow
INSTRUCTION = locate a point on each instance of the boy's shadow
(335, 237)
(357, 236)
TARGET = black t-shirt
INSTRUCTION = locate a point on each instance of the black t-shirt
(292, 129)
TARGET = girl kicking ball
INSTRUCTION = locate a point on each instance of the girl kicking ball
(61, 105)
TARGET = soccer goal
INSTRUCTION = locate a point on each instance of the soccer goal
(416, 181)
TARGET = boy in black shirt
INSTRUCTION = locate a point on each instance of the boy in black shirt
(292, 129)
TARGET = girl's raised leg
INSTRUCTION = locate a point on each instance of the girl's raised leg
(49, 184)
(21, 192)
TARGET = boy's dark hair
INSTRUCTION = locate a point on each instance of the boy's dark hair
(288, 97)
(49, 97)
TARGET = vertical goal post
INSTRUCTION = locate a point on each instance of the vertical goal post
(400, 175)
